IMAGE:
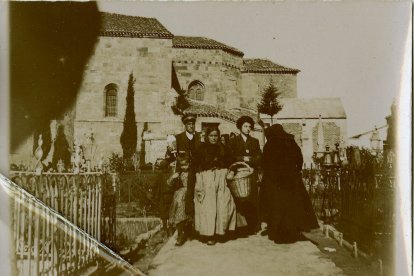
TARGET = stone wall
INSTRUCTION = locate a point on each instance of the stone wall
(331, 134)
(67, 120)
(253, 85)
(106, 133)
(305, 132)
(112, 62)
(217, 70)
(23, 154)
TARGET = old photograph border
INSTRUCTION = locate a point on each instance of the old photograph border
(403, 206)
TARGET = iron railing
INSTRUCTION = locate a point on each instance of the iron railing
(62, 239)
(359, 202)
(140, 192)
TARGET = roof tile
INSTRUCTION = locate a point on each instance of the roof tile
(118, 25)
(202, 109)
(265, 66)
(195, 42)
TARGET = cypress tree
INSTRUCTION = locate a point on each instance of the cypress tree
(62, 150)
(391, 121)
(269, 103)
(129, 132)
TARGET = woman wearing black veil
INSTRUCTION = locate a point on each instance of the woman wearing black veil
(287, 206)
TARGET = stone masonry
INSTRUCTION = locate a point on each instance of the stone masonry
(164, 64)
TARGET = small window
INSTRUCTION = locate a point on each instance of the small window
(196, 91)
(111, 100)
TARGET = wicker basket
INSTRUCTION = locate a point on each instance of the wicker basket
(240, 181)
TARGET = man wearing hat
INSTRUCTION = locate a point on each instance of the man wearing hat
(247, 149)
(185, 145)
(187, 141)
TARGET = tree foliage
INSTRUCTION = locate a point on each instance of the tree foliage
(391, 121)
(181, 103)
(269, 103)
(129, 132)
(116, 163)
(142, 153)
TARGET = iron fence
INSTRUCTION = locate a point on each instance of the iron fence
(50, 240)
(359, 202)
(138, 192)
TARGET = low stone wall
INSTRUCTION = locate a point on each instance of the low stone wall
(129, 229)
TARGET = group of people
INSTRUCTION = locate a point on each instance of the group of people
(203, 206)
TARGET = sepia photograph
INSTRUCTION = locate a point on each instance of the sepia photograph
(207, 138)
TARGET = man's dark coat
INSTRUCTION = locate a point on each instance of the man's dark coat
(185, 145)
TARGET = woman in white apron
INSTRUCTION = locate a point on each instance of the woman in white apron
(214, 208)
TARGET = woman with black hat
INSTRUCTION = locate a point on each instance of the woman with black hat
(287, 204)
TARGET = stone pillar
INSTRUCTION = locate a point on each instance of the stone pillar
(38, 155)
(320, 138)
(307, 145)
(53, 130)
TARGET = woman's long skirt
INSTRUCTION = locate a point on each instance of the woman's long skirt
(289, 210)
(214, 208)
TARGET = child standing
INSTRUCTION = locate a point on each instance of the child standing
(178, 217)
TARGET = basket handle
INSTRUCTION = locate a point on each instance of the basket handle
(241, 163)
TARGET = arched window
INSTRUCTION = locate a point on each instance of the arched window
(111, 100)
(196, 90)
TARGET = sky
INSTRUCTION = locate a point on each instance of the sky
(353, 50)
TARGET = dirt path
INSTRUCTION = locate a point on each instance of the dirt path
(255, 255)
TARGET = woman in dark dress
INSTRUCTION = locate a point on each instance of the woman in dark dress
(214, 208)
(288, 210)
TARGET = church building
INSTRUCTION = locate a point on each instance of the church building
(219, 83)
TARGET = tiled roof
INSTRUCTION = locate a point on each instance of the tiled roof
(310, 108)
(244, 112)
(118, 25)
(265, 66)
(202, 109)
(203, 43)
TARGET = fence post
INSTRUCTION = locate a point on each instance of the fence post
(99, 206)
(341, 239)
(113, 214)
(380, 269)
(355, 249)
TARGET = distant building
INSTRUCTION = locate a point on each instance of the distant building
(219, 83)
(371, 139)
(302, 116)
